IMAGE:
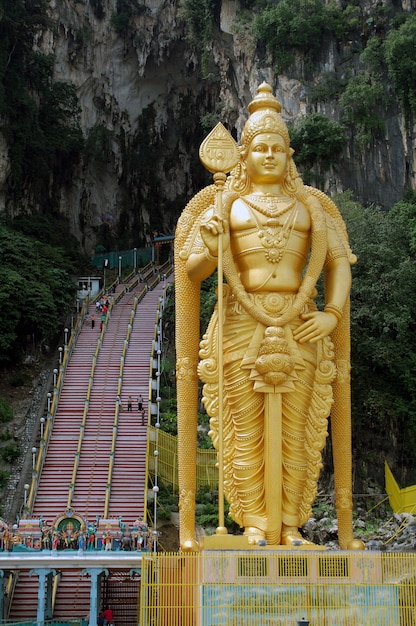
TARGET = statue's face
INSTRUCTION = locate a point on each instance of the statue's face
(267, 159)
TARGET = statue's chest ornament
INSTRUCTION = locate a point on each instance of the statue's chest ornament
(275, 232)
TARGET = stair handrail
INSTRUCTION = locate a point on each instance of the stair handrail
(83, 423)
(45, 435)
(138, 298)
(155, 365)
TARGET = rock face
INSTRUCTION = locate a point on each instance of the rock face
(142, 98)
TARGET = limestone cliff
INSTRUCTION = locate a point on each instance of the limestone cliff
(142, 93)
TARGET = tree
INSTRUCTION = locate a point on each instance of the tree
(292, 25)
(35, 292)
(317, 140)
(383, 324)
(39, 116)
(400, 56)
(360, 100)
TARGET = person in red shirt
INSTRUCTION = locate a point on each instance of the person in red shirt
(108, 615)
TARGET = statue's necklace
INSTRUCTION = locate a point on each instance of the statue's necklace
(274, 234)
(269, 205)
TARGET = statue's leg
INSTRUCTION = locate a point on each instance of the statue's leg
(246, 408)
(294, 461)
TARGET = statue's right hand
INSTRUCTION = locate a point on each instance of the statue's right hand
(210, 231)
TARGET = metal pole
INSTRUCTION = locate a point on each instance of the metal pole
(105, 271)
(219, 154)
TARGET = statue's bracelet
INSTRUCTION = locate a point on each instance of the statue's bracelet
(334, 309)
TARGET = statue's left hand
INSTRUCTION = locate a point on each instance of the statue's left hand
(316, 326)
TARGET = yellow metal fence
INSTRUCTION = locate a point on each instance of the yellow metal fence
(167, 460)
(282, 587)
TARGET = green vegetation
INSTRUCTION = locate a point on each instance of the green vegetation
(400, 55)
(383, 40)
(121, 20)
(206, 513)
(39, 116)
(199, 18)
(35, 290)
(6, 411)
(383, 324)
(206, 508)
(10, 452)
(98, 8)
(360, 101)
(292, 26)
(211, 119)
(98, 144)
(167, 502)
(4, 478)
(317, 140)
(327, 87)
(19, 379)
(404, 213)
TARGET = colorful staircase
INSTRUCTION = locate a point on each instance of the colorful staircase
(84, 488)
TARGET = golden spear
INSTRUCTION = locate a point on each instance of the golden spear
(219, 154)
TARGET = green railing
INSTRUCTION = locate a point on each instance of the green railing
(136, 257)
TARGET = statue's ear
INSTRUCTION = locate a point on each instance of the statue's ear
(291, 152)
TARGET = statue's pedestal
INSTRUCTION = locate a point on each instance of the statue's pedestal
(240, 542)
(278, 587)
(281, 586)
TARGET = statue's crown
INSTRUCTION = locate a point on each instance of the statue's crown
(264, 99)
(264, 117)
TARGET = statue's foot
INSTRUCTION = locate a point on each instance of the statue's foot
(254, 534)
(292, 537)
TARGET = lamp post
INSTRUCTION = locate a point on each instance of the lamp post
(105, 270)
(34, 450)
(26, 488)
(60, 349)
(49, 396)
(135, 259)
(42, 426)
(155, 492)
(66, 331)
(55, 374)
(119, 268)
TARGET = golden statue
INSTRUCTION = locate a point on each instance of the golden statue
(284, 365)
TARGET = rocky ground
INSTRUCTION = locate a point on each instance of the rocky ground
(25, 389)
(379, 528)
(374, 521)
